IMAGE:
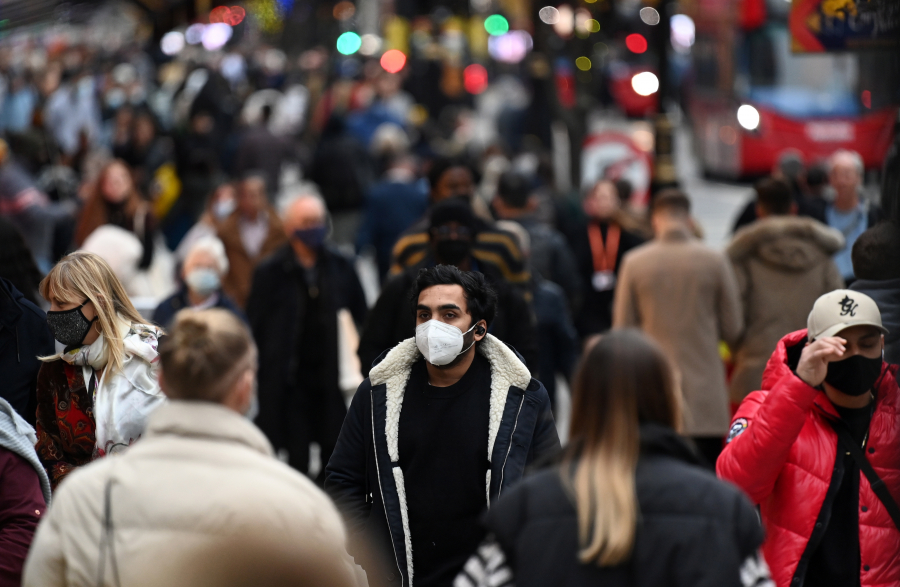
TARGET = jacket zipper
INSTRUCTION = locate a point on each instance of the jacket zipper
(509, 448)
(378, 474)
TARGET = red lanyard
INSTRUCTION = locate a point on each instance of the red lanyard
(604, 254)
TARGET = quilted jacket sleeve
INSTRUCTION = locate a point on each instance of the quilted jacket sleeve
(762, 433)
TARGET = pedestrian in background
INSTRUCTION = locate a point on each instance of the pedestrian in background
(629, 505)
(876, 264)
(294, 310)
(201, 283)
(684, 296)
(250, 234)
(446, 422)
(94, 397)
(783, 263)
(203, 476)
(808, 448)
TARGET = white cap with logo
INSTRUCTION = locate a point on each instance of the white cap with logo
(840, 309)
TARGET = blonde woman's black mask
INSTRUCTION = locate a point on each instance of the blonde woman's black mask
(70, 326)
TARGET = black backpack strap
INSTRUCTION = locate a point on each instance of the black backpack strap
(878, 486)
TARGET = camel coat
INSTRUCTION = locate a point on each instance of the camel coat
(782, 264)
(201, 487)
(684, 295)
(240, 264)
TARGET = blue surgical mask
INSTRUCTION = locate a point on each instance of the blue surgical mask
(312, 237)
(203, 281)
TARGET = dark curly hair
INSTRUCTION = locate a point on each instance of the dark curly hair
(480, 296)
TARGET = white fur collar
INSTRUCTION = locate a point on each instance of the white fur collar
(506, 370)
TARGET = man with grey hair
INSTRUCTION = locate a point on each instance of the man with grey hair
(201, 283)
(848, 213)
(295, 302)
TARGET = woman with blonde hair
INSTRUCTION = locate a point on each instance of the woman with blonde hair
(115, 200)
(94, 397)
(629, 504)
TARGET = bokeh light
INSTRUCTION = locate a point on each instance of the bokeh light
(172, 43)
(236, 15)
(194, 33)
(220, 14)
(216, 35)
(496, 24)
(583, 63)
(475, 78)
(636, 43)
(645, 83)
(349, 43)
(511, 47)
(592, 26)
(649, 16)
(683, 30)
(549, 15)
(866, 98)
(343, 10)
(748, 117)
(393, 61)
(565, 25)
(370, 45)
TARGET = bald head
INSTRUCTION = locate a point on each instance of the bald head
(307, 211)
(845, 173)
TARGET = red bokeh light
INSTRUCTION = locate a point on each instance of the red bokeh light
(475, 79)
(393, 61)
(636, 43)
(219, 14)
(866, 99)
(237, 15)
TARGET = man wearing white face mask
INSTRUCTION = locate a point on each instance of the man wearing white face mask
(446, 422)
(202, 272)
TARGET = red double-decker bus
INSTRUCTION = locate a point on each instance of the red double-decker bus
(750, 98)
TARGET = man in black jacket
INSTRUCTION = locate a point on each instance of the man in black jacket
(453, 230)
(445, 423)
(293, 313)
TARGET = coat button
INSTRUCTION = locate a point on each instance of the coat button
(865, 567)
(818, 525)
(871, 450)
(865, 509)
(390, 576)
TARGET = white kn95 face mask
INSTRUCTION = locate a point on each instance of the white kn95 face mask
(440, 342)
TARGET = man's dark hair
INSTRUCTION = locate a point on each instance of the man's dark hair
(513, 189)
(876, 253)
(671, 200)
(480, 296)
(440, 166)
(265, 113)
(774, 196)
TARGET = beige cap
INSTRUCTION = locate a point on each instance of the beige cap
(840, 309)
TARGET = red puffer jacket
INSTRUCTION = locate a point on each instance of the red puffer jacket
(783, 452)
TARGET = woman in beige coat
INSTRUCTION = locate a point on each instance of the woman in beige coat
(200, 491)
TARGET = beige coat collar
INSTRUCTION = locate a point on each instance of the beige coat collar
(206, 420)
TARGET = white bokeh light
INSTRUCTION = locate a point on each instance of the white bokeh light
(748, 117)
(511, 47)
(683, 31)
(645, 83)
(549, 15)
(194, 33)
(172, 43)
(216, 35)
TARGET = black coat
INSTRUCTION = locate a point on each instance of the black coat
(24, 336)
(693, 529)
(166, 310)
(274, 311)
(393, 319)
(362, 477)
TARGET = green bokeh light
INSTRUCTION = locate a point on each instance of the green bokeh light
(496, 24)
(349, 43)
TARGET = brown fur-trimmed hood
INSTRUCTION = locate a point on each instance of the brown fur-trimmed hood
(792, 243)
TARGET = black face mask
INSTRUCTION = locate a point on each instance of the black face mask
(69, 326)
(855, 375)
(452, 251)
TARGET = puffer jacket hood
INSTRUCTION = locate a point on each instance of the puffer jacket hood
(782, 451)
(792, 243)
(886, 294)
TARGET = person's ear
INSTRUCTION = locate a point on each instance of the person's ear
(531, 204)
(794, 208)
(480, 330)
(760, 211)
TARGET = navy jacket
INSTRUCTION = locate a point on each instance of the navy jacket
(165, 312)
(24, 336)
(366, 482)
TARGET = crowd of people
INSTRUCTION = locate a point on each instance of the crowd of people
(171, 293)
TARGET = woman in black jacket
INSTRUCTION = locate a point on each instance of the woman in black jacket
(629, 505)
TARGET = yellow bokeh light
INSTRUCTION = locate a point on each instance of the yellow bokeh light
(583, 63)
(593, 26)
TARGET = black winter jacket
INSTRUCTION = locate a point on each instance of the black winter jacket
(363, 476)
(24, 336)
(693, 529)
